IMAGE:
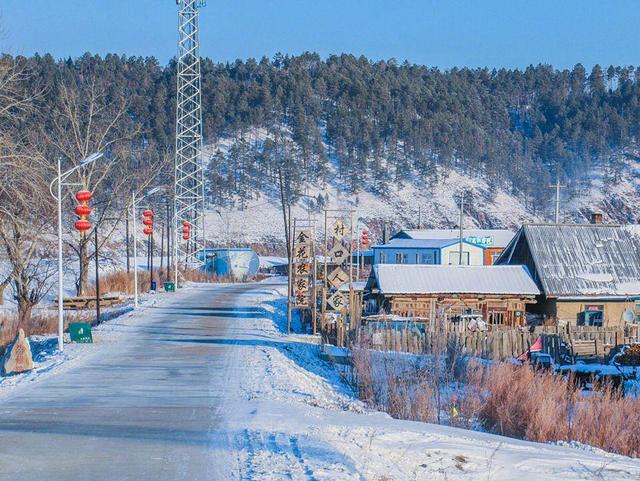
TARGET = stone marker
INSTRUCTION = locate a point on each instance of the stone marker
(19, 359)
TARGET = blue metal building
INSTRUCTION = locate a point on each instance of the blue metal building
(234, 262)
(426, 251)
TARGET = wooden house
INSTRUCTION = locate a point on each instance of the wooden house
(497, 294)
(587, 274)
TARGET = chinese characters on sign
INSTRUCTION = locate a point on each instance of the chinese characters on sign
(338, 301)
(303, 254)
(338, 258)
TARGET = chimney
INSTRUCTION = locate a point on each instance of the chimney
(596, 218)
(385, 233)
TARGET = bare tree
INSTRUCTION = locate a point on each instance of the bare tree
(88, 119)
(25, 207)
(26, 228)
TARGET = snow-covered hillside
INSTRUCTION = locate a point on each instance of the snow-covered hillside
(431, 204)
(435, 205)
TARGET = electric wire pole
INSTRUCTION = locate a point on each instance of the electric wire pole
(557, 186)
(461, 228)
(189, 169)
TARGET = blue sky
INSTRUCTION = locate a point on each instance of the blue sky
(443, 33)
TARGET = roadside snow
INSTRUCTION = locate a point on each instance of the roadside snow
(49, 360)
(301, 421)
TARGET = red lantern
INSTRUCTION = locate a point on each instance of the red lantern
(82, 225)
(186, 224)
(185, 230)
(148, 231)
(364, 238)
(148, 222)
(84, 196)
(148, 213)
(82, 210)
(185, 236)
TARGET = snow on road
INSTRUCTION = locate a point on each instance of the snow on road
(300, 421)
(280, 412)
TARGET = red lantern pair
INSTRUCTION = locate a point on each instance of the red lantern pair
(83, 211)
(186, 230)
(148, 222)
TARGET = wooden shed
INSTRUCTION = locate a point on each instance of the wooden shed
(498, 295)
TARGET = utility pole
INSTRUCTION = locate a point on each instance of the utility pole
(126, 224)
(95, 232)
(557, 186)
(461, 233)
(189, 169)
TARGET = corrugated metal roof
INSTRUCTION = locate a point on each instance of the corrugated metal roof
(584, 260)
(438, 279)
(498, 237)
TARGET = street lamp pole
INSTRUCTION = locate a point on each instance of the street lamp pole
(60, 180)
(135, 251)
(135, 240)
(60, 275)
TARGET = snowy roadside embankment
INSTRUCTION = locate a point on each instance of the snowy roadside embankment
(48, 360)
(301, 421)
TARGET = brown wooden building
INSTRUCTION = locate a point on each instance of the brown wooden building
(498, 295)
(588, 274)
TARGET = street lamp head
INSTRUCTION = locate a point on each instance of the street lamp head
(86, 161)
(155, 190)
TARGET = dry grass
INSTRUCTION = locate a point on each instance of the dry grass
(205, 277)
(40, 324)
(502, 398)
(121, 282)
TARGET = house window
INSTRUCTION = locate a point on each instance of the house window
(401, 258)
(454, 258)
(428, 258)
(592, 315)
(383, 258)
(418, 259)
(494, 257)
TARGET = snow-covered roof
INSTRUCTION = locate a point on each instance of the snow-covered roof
(484, 237)
(445, 279)
(416, 243)
(357, 286)
(272, 261)
(579, 260)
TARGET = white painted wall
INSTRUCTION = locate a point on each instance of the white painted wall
(476, 254)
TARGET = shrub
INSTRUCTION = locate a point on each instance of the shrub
(503, 398)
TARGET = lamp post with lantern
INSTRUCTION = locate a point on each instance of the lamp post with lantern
(148, 230)
(81, 225)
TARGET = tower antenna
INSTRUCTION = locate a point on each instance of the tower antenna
(189, 169)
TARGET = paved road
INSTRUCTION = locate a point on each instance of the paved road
(148, 407)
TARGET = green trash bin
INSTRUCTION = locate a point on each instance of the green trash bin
(169, 287)
(80, 332)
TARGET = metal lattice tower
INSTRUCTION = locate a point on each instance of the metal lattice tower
(189, 174)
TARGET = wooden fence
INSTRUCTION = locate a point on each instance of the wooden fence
(493, 344)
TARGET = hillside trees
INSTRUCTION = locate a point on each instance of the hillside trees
(366, 124)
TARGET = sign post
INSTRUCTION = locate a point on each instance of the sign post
(338, 268)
